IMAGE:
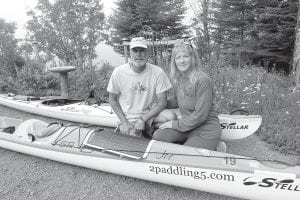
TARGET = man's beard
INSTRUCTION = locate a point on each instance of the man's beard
(139, 63)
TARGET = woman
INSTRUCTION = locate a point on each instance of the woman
(199, 125)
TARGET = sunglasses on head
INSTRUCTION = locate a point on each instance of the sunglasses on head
(184, 42)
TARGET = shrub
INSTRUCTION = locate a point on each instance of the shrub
(267, 94)
(81, 83)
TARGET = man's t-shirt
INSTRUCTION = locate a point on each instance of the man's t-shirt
(137, 90)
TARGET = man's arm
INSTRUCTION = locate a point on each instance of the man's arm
(113, 101)
(160, 106)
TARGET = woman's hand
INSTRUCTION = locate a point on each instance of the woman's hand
(167, 124)
(139, 125)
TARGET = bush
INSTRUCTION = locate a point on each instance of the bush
(7, 84)
(267, 94)
(82, 83)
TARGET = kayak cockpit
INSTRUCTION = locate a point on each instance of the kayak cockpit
(8, 125)
(60, 102)
(32, 129)
(28, 130)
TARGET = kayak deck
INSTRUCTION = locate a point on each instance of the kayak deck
(123, 145)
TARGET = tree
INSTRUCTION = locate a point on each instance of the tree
(202, 22)
(68, 29)
(275, 31)
(233, 22)
(163, 16)
(8, 48)
(248, 31)
(296, 58)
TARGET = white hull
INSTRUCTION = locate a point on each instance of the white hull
(233, 126)
(172, 164)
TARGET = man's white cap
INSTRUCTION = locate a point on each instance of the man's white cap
(138, 42)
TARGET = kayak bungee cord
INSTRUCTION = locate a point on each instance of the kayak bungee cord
(76, 127)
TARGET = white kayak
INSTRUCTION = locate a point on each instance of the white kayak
(233, 126)
(174, 164)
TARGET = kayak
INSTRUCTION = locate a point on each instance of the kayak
(233, 126)
(168, 163)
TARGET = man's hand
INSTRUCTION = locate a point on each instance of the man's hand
(167, 124)
(125, 128)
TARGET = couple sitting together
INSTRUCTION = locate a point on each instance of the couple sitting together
(138, 95)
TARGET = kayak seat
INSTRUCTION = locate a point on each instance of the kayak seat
(34, 128)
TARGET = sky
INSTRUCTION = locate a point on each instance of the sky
(15, 11)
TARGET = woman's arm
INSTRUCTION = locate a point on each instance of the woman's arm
(204, 102)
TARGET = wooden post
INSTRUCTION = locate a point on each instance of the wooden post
(152, 44)
(125, 44)
(37, 56)
(36, 51)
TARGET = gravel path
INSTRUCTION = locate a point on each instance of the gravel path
(28, 177)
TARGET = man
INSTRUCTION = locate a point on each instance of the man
(133, 88)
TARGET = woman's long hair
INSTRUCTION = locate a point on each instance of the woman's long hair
(175, 75)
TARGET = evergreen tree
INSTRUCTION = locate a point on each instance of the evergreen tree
(202, 10)
(296, 57)
(275, 31)
(162, 16)
(233, 22)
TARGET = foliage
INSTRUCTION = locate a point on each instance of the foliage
(82, 83)
(267, 94)
(69, 29)
(30, 80)
(130, 16)
(251, 31)
(275, 29)
(234, 21)
(8, 48)
(33, 81)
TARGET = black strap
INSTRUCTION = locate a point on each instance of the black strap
(240, 110)
(58, 123)
(10, 129)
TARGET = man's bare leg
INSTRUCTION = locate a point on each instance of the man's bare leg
(164, 116)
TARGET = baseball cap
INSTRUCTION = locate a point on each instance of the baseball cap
(138, 42)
